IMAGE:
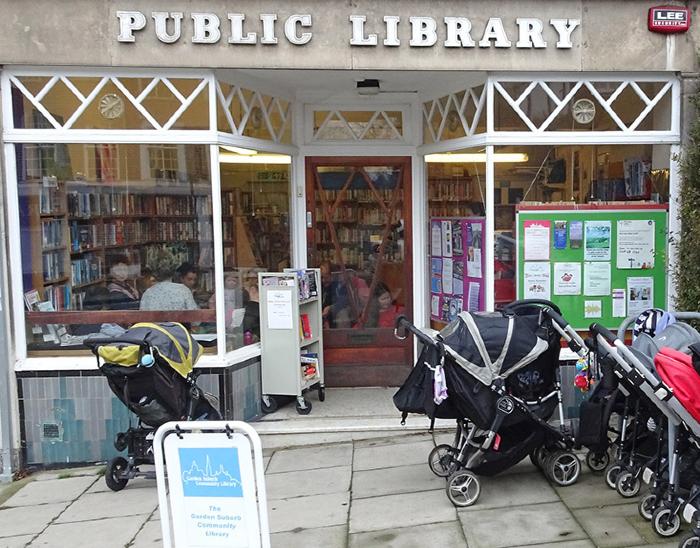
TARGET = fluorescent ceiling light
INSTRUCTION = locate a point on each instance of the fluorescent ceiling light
(239, 150)
(475, 158)
(226, 158)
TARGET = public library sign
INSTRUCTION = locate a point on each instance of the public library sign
(266, 29)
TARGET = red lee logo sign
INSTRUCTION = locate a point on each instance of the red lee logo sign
(669, 19)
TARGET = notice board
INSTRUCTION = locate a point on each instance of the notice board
(457, 266)
(597, 263)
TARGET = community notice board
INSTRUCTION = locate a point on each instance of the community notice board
(456, 266)
(597, 263)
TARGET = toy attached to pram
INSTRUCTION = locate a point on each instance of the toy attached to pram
(502, 387)
(150, 368)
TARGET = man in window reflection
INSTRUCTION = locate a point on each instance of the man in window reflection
(165, 294)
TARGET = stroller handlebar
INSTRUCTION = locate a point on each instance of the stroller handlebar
(604, 332)
(402, 322)
(532, 302)
(94, 343)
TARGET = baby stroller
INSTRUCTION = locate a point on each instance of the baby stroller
(150, 369)
(501, 373)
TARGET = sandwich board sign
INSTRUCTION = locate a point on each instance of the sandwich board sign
(211, 485)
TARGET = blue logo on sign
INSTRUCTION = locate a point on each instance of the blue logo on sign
(211, 472)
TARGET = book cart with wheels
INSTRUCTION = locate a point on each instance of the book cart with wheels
(291, 337)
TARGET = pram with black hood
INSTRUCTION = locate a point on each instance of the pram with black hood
(150, 368)
(501, 373)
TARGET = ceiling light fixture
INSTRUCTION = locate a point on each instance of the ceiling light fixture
(476, 158)
(226, 158)
(368, 86)
(239, 150)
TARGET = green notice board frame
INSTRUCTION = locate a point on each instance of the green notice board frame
(573, 306)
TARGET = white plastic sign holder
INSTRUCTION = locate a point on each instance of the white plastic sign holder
(211, 480)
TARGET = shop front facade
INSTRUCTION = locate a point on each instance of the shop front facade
(393, 146)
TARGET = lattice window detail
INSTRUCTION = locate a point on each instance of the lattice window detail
(613, 106)
(358, 125)
(244, 112)
(74, 95)
(455, 116)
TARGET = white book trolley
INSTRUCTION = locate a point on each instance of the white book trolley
(291, 336)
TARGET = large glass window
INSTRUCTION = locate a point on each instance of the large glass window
(111, 235)
(255, 222)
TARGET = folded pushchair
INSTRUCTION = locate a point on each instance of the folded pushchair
(150, 369)
(502, 387)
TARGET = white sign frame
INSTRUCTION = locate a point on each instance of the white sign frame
(240, 435)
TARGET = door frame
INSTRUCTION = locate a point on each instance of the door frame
(384, 339)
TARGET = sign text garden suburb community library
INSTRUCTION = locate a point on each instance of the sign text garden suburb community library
(450, 32)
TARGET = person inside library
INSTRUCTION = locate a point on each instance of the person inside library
(334, 298)
(383, 309)
(234, 296)
(166, 294)
(123, 296)
(188, 275)
(251, 316)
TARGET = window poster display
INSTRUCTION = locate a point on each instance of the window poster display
(456, 266)
(604, 261)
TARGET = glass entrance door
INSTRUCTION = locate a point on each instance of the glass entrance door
(359, 234)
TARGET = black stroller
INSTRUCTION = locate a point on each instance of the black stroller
(150, 369)
(501, 372)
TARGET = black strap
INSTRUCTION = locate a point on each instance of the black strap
(432, 423)
(404, 414)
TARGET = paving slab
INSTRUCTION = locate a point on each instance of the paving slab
(388, 456)
(565, 544)
(609, 526)
(344, 402)
(111, 532)
(137, 483)
(393, 481)
(447, 534)
(310, 458)
(15, 542)
(404, 437)
(50, 491)
(93, 471)
(106, 505)
(308, 512)
(405, 510)
(513, 490)
(308, 482)
(150, 536)
(20, 521)
(496, 528)
(326, 537)
(590, 491)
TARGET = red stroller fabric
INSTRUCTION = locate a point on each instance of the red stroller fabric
(676, 370)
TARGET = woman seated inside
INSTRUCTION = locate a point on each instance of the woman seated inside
(383, 309)
(123, 296)
(165, 294)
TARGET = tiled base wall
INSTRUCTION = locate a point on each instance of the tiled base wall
(73, 417)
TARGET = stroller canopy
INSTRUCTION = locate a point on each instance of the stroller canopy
(172, 341)
(490, 346)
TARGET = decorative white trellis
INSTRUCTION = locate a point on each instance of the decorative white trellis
(461, 110)
(372, 125)
(245, 110)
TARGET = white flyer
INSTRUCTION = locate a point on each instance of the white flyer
(447, 276)
(536, 240)
(593, 309)
(435, 239)
(635, 244)
(597, 240)
(567, 278)
(618, 303)
(446, 239)
(536, 281)
(473, 296)
(435, 305)
(596, 279)
(640, 295)
(279, 309)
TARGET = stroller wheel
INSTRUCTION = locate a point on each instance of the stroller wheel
(121, 442)
(628, 484)
(665, 523)
(116, 467)
(647, 506)
(597, 462)
(611, 473)
(463, 488)
(689, 540)
(442, 461)
(538, 456)
(563, 468)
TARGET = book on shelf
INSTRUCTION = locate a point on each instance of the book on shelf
(32, 299)
(309, 365)
(52, 233)
(305, 323)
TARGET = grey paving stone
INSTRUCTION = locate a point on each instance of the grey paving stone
(308, 512)
(15, 542)
(326, 537)
(392, 481)
(310, 458)
(106, 505)
(405, 510)
(21, 521)
(398, 438)
(137, 483)
(513, 490)
(93, 471)
(614, 525)
(388, 456)
(105, 533)
(496, 528)
(447, 534)
(308, 482)
(50, 491)
(590, 491)
(565, 544)
(150, 536)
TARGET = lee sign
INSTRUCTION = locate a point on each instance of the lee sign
(268, 29)
(669, 19)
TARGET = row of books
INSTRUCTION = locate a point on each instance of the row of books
(53, 266)
(184, 230)
(306, 281)
(309, 365)
(84, 204)
(60, 296)
(183, 205)
(50, 200)
(52, 233)
(87, 269)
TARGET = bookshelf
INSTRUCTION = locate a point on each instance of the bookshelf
(291, 337)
